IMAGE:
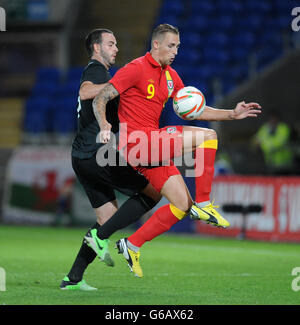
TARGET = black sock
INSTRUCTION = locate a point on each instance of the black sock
(85, 256)
(134, 208)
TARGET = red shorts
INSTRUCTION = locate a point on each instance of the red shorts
(150, 151)
(157, 176)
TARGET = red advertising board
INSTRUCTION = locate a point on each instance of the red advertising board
(279, 197)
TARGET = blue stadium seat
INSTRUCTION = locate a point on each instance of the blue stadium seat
(205, 7)
(175, 7)
(192, 40)
(207, 71)
(243, 39)
(257, 7)
(44, 88)
(216, 39)
(284, 7)
(250, 23)
(168, 18)
(64, 115)
(266, 55)
(238, 72)
(68, 89)
(229, 7)
(48, 74)
(212, 55)
(187, 56)
(196, 21)
(224, 23)
(35, 123)
(270, 38)
(37, 103)
(74, 74)
(228, 86)
(283, 21)
(36, 114)
(239, 54)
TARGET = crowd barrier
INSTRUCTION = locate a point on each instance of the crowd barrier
(279, 198)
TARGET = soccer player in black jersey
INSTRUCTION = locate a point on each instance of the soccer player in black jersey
(99, 182)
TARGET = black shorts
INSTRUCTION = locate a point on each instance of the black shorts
(99, 182)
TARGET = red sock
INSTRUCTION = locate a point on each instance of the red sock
(203, 182)
(161, 221)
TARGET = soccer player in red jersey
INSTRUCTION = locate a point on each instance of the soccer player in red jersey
(144, 86)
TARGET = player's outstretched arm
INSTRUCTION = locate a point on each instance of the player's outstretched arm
(241, 111)
(107, 93)
(89, 90)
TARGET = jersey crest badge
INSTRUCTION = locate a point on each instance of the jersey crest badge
(171, 129)
(170, 84)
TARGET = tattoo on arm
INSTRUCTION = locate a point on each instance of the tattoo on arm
(99, 103)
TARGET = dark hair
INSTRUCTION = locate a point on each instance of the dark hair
(95, 36)
(162, 29)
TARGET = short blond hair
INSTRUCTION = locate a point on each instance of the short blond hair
(163, 29)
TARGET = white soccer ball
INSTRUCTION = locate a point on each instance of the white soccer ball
(189, 103)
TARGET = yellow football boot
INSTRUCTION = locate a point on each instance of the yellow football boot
(209, 214)
(131, 257)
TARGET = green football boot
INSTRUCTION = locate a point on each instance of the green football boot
(99, 246)
(66, 284)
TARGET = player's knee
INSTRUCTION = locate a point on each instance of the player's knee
(210, 134)
(184, 204)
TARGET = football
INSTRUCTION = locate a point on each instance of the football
(189, 103)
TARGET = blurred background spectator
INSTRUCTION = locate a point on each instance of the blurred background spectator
(274, 140)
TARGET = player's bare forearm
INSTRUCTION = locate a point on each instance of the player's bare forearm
(215, 114)
(241, 111)
(106, 94)
(88, 90)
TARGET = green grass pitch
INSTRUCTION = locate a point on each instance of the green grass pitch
(178, 270)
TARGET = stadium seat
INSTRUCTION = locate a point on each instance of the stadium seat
(257, 7)
(168, 18)
(35, 123)
(74, 75)
(230, 7)
(192, 40)
(239, 55)
(65, 122)
(266, 55)
(224, 23)
(212, 55)
(250, 23)
(64, 115)
(36, 114)
(216, 39)
(269, 38)
(174, 7)
(48, 74)
(196, 22)
(243, 39)
(44, 88)
(235, 72)
(68, 89)
(205, 7)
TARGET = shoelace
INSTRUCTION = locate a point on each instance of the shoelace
(211, 205)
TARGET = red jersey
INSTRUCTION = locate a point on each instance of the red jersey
(144, 88)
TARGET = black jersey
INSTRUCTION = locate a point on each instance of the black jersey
(85, 144)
